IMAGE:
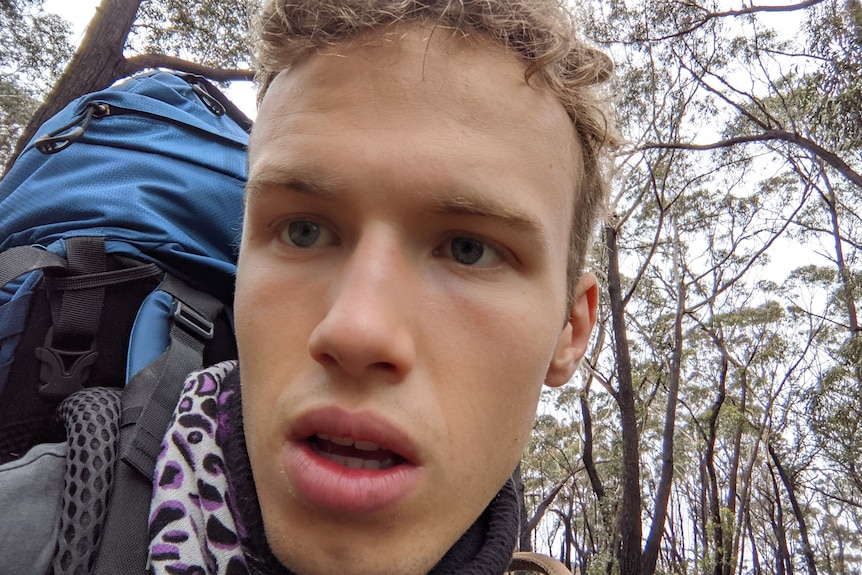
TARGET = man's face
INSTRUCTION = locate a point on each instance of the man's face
(401, 295)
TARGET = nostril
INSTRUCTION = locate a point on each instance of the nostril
(326, 360)
(385, 366)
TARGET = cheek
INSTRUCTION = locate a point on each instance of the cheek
(270, 311)
(492, 388)
(269, 335)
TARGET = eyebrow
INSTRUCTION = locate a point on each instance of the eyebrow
(275, 180)
(326, 186)
(480, 205)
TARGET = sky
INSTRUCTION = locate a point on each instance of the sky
(80, 12)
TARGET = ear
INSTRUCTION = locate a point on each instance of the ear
(572, 343)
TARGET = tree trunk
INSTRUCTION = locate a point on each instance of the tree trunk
(755, 555)
(524, 541)
(629, 524)
(732, 479)
(847, 282)
(807, 551)
(783, 560)
(831, 202)
(587, 455)
(653, 542)
(722, 559)
(97, 64)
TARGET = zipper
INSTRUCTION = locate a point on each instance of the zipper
(65, 136)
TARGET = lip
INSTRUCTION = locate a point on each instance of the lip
(323, 483)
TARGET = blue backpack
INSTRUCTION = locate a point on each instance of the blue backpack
(119, 228)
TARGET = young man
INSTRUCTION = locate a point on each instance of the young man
(423, 181)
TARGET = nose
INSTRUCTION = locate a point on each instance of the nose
(366, 333)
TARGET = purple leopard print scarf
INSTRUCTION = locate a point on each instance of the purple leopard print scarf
(194, 525)
(204, 516)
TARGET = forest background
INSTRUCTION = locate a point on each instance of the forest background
(715, 426)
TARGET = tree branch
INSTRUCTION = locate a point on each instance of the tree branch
(827, 156)
(145, 61)
(709, 16)
(542, 507)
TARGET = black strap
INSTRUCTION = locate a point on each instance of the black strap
(76, 287)
(69, 349)
(125, 538)
(151, 396)
(79, 312)
(149, 401)
(18, 261)
(136, 272)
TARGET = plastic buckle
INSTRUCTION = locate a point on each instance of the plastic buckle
(194, 322)
(63, 372)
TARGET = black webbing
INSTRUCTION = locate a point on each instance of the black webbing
(151, 395)
(149, 401)
(79, 312)
(18, 261)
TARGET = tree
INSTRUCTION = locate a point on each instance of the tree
(33, 50)
(209, 38)
(717, 418)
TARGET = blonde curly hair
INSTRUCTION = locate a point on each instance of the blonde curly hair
(542, 32)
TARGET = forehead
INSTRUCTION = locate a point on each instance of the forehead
(418, 118)
(417, 67)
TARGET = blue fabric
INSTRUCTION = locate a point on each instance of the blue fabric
(160, 176)
(161, 173)
(150, 335)
(13, 314)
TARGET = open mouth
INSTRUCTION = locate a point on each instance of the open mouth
(354, 454)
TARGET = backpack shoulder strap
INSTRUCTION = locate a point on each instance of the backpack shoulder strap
(151, 395)
(149, 401)
(537, 563)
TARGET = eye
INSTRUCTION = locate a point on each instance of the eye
(471, 252)
(307, 234)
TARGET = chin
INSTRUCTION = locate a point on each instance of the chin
(366, 561)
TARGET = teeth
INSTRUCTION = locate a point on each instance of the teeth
(348, 442)
(356, 462)
(353, 462)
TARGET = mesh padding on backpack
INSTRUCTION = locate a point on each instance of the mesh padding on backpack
(92, 419)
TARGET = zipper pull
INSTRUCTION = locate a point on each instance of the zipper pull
(62, 138)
